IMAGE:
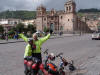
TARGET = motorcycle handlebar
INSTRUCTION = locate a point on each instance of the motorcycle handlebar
(59, 55)
(46, 52)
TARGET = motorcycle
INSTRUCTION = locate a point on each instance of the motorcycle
(49, 68)
(55, 70)
(35, 67)
(65, 63)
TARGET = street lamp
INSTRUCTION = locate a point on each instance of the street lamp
(79, 26)
(73, 21)
(6, 34)
(80, 29)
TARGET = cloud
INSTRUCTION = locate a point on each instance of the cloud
(57, 4)
(81, 4)
(88, 4)
(21, 4)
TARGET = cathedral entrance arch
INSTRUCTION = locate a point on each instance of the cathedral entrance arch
(51, 27)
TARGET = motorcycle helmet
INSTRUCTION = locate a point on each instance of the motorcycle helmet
(52, 56)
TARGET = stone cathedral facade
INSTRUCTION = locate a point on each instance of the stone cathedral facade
(66, 20)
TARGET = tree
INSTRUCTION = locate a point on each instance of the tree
(20, 28)
(12, 31)
(46, 29)
(89, 10)
(31, 28)
(1, 29)
(18, 14)
(25, 30)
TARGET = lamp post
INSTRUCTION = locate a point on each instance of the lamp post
(79, 26)
(80, 29)
(73, 20)
(6, 34)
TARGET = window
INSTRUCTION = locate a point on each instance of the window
(69, 8)
(15, 23)
(51, 18)
(56, 17)
(47, 23)
(44, 19)
(56, 23)
(61, 17)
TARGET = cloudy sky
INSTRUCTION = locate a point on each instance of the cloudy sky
(57, 4)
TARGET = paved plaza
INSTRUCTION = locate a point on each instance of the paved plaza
(84, 51)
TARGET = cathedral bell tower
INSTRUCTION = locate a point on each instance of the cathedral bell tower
(70, 7)
(41, 12)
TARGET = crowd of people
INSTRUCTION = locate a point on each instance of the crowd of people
(6, 36)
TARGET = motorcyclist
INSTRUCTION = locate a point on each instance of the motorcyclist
(29, 48)
(28, 52)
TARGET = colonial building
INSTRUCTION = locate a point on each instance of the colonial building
(66, 21)
(49, 20)
(82, 25)
(27, 22)
(9, 23)
(93, 24)
(92, 20)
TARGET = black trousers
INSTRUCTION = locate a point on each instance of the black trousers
(26, 69)
(37, 55)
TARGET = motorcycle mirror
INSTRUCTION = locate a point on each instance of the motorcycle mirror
(59, 54)
(46, 51)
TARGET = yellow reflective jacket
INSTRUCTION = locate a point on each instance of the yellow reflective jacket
(38, 43)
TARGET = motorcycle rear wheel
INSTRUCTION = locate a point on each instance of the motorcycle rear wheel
(40, 72)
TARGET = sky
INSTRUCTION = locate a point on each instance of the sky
(49, 4)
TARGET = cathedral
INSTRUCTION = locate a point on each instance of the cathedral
(66, 20)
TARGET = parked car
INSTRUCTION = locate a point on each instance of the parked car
(96, 36)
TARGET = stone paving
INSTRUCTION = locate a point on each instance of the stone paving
(84, 51)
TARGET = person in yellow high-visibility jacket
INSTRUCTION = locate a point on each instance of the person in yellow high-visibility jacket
(37, 47)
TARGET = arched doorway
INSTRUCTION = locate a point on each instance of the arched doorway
(61, 28)
(51, 27)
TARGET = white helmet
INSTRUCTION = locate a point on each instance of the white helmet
(52, 56)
